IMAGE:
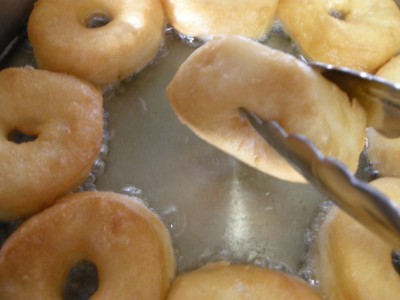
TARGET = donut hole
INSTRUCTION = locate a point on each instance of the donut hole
(18, 137)
(82, 281)
(97, 20)
(396, 261)
(337, 14)
(6, 229)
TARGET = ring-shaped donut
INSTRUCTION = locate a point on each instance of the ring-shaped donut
(61, 117)
(207, 19)
(233, 72)
(357, 34)
(125, 240)
(63, 41)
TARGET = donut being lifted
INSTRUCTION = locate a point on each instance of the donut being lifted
(125, 240)
(362, 35)
(51, 130)
(229, 73)
(103, 41)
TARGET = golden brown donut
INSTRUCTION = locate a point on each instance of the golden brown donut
(352, 262)
(63, 42)
(228, 73)
(205, 19)
(64, 116)
(126, 241)
(222, 280)
(357, 34)
(383, 152)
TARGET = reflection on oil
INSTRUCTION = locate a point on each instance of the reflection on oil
(247, 234)
(238, 222)
(175, 220)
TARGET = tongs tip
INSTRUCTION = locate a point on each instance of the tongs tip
(367, 205)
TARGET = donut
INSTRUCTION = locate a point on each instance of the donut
(233, 72)
(383, 152)
(343, 33)
(351, 262)
(390, 70)
(222, 280)
(127, 242)
(103, 41)
(207, 19)
(61, 118)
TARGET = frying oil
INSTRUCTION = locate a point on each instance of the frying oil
(307, 269)
(100, 162)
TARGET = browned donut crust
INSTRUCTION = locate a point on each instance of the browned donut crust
(63, 42)
(207, 19)
(64, 116)
(126, 241)
(222, 280)
(357, 34)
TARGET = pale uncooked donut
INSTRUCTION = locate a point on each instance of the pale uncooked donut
(352, 262)
(62, 42)
(383, 152)
(206, 19)
(364, 37)
(126, 241)
(65, 115)
(228, 73)
(217, 281)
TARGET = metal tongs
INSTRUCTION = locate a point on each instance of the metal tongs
(363, 202)
(379, 97)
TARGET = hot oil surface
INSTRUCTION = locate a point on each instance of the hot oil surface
(214, 206)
